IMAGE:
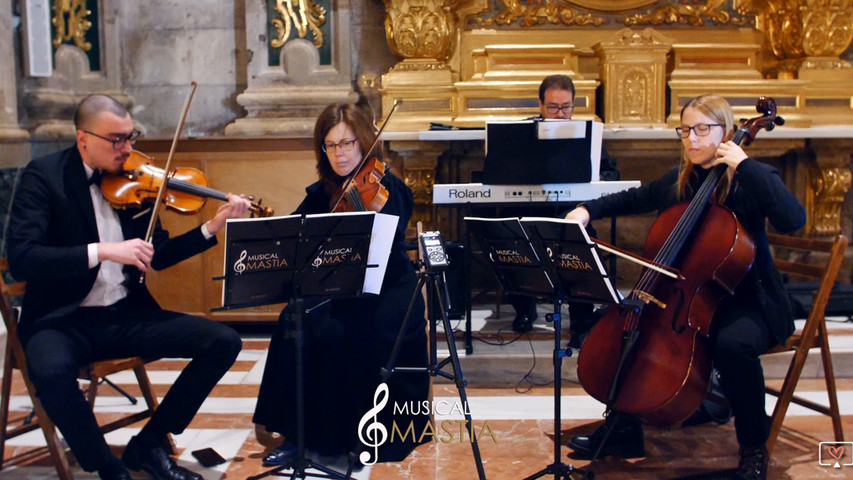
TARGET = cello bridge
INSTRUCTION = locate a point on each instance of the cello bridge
(647, 298)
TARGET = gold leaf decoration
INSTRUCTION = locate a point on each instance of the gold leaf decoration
(691, 13)
(69, 20)
(301, 15)
(529, 13)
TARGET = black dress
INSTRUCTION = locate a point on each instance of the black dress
(758, 315)
(347, 341)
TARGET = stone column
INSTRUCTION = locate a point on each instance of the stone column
(12, 137)
(50, 101)
(286, 100)
(633, 72)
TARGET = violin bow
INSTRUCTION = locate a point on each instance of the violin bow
(168, 167)
(367, 155)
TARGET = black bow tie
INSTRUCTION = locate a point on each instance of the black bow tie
(96, 178)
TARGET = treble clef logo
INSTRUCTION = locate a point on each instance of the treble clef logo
(376, 434)
(239, 266)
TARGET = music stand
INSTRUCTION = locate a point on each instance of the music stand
(270, 260)
(550, 258)
(433, 278)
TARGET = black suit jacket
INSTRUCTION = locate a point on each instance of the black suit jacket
(52, 222)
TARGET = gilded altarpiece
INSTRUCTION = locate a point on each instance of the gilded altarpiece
(465, 62)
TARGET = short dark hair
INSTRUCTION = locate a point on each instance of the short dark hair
(94, 104)
(559, 82)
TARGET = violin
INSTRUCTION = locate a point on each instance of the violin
(650, 356)
(187, 188)
(363, 190)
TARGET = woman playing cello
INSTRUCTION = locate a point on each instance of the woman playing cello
(348, 340)
(749, 322)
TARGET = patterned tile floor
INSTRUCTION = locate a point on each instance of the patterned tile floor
(518, 443)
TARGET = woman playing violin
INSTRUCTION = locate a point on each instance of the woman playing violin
(749, 322)
(348, 340)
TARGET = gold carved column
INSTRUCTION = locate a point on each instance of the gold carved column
(422, 33)
(633, 71)
(828, 181)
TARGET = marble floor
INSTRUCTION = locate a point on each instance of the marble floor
(513, 418)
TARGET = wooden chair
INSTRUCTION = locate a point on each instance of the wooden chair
(810, 259)
(93, 373)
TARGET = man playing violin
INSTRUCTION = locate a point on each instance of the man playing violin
(84, 302)
(752, 320)
(348, 340)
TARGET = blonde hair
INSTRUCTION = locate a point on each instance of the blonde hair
(718, 109)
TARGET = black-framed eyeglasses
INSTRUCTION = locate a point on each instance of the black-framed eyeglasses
(118, 141)
(553, 109)
(346, 145)
(701, 129)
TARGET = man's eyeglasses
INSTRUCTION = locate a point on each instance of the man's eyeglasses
(553, 109)
(118, 141)
(345, 145)
(701, 129)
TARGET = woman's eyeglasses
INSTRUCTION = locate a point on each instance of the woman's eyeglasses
(701, 129)
(118, 141)
(346, 145)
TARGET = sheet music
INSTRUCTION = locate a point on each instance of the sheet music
(384, 227)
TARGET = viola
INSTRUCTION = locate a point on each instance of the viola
(365, 191)
(650, 356)
(187, 188)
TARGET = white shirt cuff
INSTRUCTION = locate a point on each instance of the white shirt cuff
(205, 231)
(93, 255)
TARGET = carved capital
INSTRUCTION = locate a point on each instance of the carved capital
(421, 28)
(810, 34)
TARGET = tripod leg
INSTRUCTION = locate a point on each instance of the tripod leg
(392, 359)
(433, 290)
(118, 389)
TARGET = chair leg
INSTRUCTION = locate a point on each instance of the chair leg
(5, 396)
(51, 437)
(829, 377)
(787, 393)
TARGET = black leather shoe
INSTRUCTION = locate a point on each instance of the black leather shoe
(753, 464)
(155, 461)
(626, 440)
(281, 455)
(523, 323)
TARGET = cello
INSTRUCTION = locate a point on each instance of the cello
(650, 356)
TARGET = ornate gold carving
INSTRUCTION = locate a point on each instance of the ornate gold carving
(301, 15)
(530, 14)
(421, 28)
(633, 89)
(804, 34)
(421, 181)
(825, 197)
(69, 20)
(694, 14)
(611, 6)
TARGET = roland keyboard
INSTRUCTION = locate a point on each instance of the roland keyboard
(456, 193)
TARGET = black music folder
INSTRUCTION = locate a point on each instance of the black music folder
(542, 257)
(534, 152)
(274, 259)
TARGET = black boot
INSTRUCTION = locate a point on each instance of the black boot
(753, 464)
(626, 439)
